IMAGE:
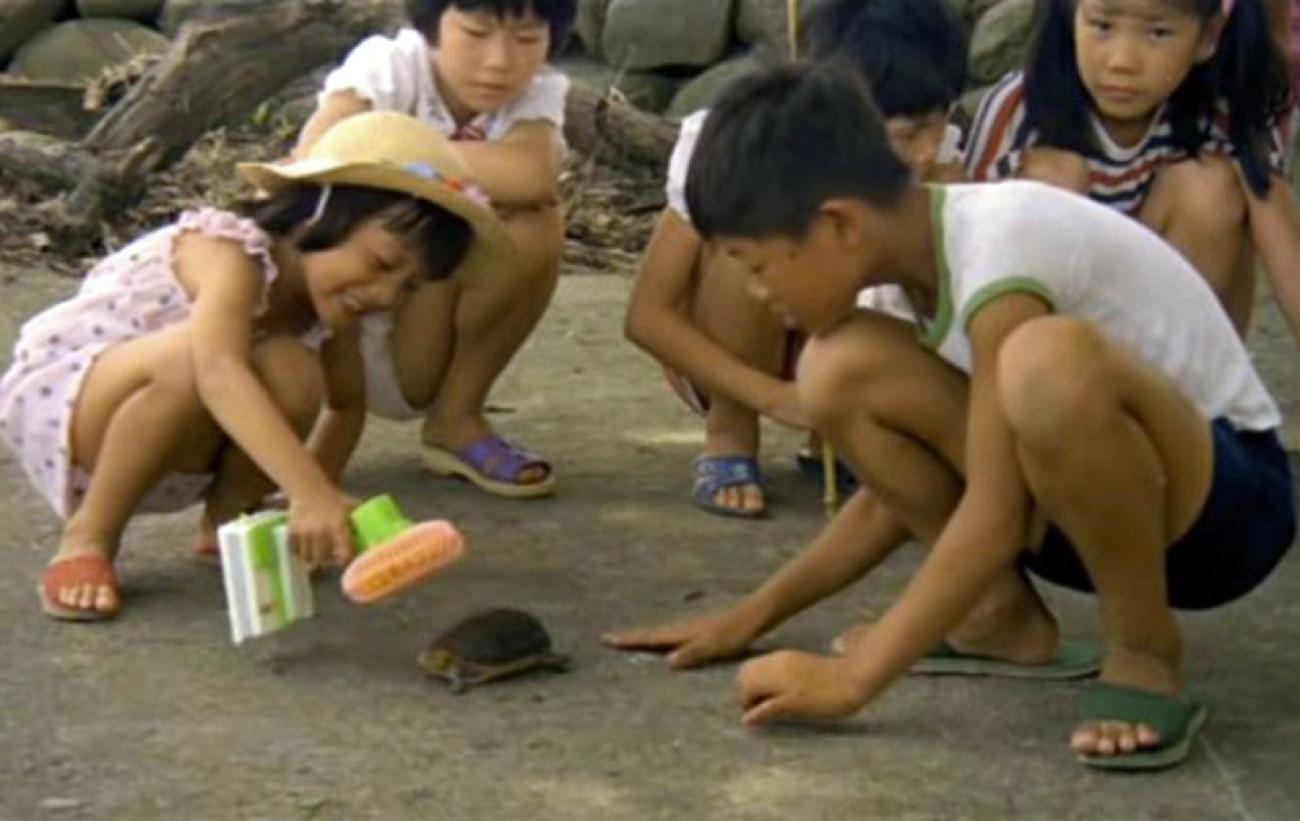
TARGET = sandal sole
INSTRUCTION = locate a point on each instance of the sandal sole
(60, 613)
(443, 463)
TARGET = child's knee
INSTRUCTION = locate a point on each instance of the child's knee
(538, 235)
(175, 381)
(1053, 378)
(292, 376)
(835, 370)
(1206, 192)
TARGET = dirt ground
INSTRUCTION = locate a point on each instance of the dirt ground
(157, 715)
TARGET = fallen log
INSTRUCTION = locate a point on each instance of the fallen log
(216, 71)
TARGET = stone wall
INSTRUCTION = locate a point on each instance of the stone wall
(673, 56)
(667, 56)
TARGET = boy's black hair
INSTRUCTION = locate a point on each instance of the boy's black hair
(441, 237)
(912, 53)
(779, 143)
(1247, 74)
(557, 14)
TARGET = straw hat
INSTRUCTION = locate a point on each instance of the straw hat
(394, 152)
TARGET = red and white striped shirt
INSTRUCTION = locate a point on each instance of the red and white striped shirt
(1118, 176)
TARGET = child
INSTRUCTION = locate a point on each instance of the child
(475, 70)
(186, 367)
(1143, 105)
(727, 358)
(1066, 367)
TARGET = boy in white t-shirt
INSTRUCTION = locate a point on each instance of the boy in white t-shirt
(1069, 384)
(476, 70)
(726, 356)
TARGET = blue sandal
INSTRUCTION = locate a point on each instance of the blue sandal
(493, 464)
(716, 473)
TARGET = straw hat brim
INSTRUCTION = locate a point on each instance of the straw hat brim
(491, 245)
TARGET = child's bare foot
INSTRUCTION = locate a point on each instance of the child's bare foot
(1139, 671)
(1009, 624)
(79, 584)
(1028, 643)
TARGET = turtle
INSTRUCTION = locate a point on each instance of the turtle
(491, 645)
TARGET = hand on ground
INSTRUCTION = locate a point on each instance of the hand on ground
(692, 641)
(787, 686)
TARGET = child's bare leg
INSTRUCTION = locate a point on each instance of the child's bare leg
(898, 415)
(1198, 207)
(1121, 462)
(137, 418)
(292, 376)
(732, 318)
(494, 315)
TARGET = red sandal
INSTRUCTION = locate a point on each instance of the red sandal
(90, 568)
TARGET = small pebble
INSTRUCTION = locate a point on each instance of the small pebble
(60, 804)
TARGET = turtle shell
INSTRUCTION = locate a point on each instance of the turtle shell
(491, 645)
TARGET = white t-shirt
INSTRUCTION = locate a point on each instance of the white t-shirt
(396, 74)
(1090, 261)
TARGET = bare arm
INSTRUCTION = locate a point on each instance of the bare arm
(656, 322)
(986, 531)
(226, 286)
(335, 107)
(522, 169)
(1275, 230)
(342, 419)
(862, 534)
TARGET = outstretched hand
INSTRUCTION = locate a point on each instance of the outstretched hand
(789, 686)
(691, 641)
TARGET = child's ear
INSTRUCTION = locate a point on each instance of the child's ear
(846, 221)
(1210, 36)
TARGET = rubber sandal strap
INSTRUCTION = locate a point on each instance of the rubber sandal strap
(1169, 716)
(715, 473)
(498, 459)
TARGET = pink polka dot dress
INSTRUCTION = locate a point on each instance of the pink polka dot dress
(128, 294)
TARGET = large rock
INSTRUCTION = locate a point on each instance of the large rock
(644, 89)
(643, 34)
(589, 23)
(1000, 39)
(78, 51)
(763, 22)
(20, 19)
(176, 12)
(704, 89)
(134, 9)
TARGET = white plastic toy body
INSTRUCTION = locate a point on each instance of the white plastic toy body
(267, 587)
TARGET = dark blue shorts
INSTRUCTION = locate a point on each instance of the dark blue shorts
(1244, 530)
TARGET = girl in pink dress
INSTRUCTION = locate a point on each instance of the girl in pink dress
(192, 363)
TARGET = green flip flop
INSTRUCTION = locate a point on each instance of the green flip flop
(1176, 719)
(1073, 660)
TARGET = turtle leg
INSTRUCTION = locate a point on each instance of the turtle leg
(559, 662)
(455, 680)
